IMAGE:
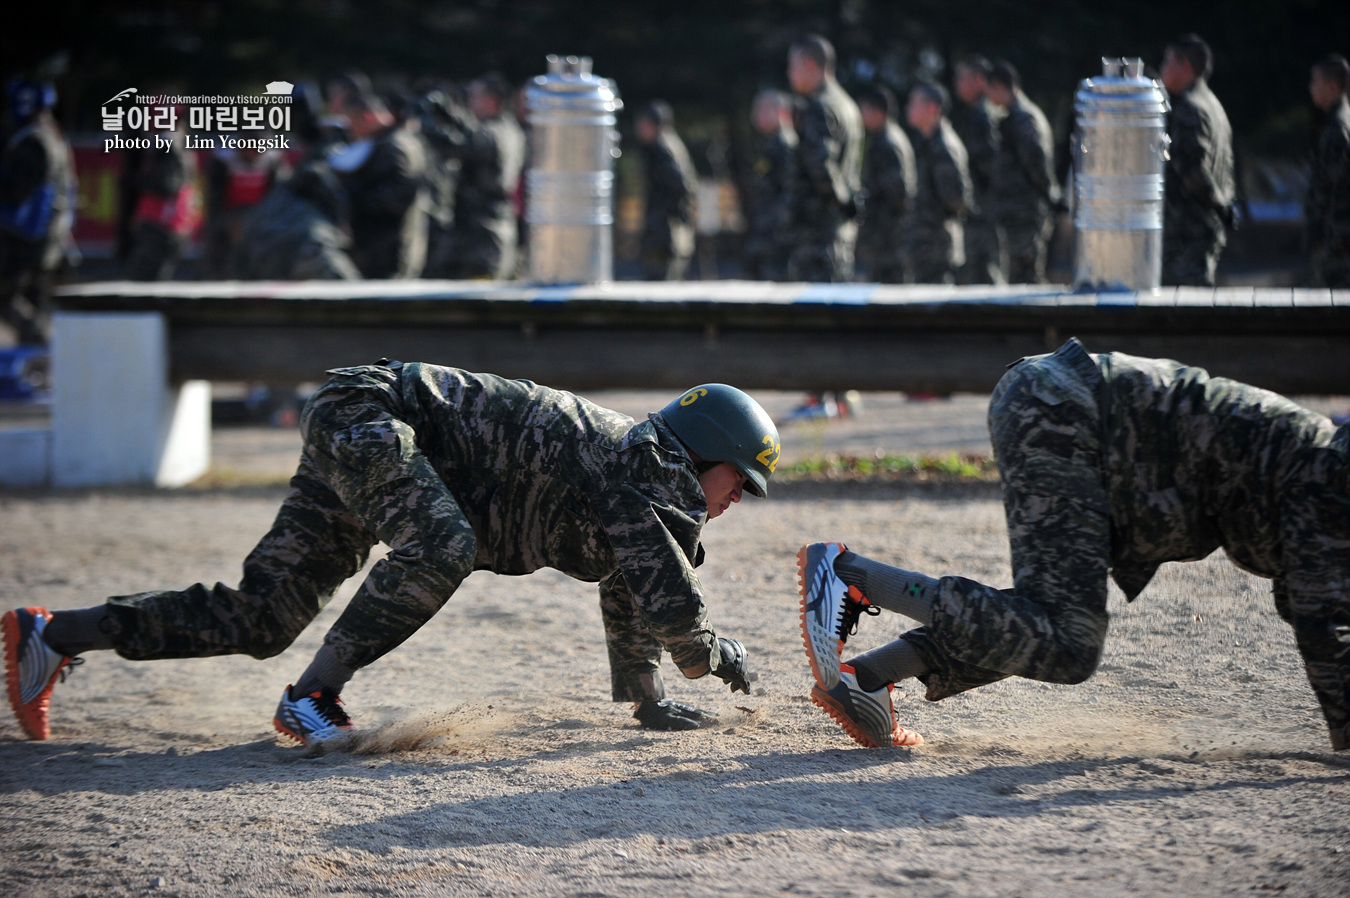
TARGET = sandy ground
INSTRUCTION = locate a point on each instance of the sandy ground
(490, 761)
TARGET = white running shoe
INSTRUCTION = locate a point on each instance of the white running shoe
(31, 668)
(312, 718)
(869, 717)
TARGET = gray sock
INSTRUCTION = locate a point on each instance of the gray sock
(324, 672)
(890, 663)
(81, 630)
(892, 588)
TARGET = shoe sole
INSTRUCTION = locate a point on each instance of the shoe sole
(900, 737)
(32, 717)
(288, 732)
(826, 678)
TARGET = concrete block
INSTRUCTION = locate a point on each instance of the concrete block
(25, 456)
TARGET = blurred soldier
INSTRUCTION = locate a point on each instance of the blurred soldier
(298, 232)
(828, 173)
(975, 122)
(1198, 180)
(37, 209)
(490, 148)
(1111, 465)
(768, 209)
(455, 472)
(384, 172)
(1328, 205)
(888, 187)
(168, 207)
(671, 185)
(934, 242)
(1025, 192)
(236, 182)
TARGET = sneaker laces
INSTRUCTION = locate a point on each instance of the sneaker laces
(329, 707)
(69, 667)
(853, 612)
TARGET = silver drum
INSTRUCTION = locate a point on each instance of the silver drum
(570, 182)
(1120, 148)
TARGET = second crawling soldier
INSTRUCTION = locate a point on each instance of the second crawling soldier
(1111, 465)
(454, 472)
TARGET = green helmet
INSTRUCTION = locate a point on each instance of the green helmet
(720, 423)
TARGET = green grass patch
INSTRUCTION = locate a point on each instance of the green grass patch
(952, 466)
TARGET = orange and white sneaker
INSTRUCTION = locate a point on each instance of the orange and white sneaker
(830, 609)
(316, 717)
(869, 717)
(31, 668)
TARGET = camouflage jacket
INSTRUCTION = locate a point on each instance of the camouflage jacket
(1195, 462)
(548, 479)
(767, 209)
(1328, 205)
(888, 186)
(491, 154)
(1198, 179)
(1024, 187)
(942, 190)
(829, 159)
(975, 125)
(388, 197)
(672, 186)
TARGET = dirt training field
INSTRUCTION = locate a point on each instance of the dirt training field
(489, 759)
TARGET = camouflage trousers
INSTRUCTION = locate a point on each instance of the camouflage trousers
(1190, 252)
(1051, 626)
(983, 253)
(1027, 243)
(361, 479)
(824, 257)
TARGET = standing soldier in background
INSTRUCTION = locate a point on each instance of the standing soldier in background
(167, 208)
(829, 166)
(1198, 189)
(888, 188)
(974, 120)
(1025, 192)
(236, 182)
(37, 209)
(934, 243)
(298, 232)
(490, 147)
(766, 247)
(668, 224)
(1328, 205)
(384, 172)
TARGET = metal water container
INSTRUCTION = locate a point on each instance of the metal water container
(1120, 148)
(570, 183)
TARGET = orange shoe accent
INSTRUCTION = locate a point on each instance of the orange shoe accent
(282, 729)
(32, 717)
(801, 618)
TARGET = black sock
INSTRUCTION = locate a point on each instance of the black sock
(890, 663)
(81, 630)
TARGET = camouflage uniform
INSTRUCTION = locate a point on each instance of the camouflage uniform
(934, 242)
(295, 233)
(768, 211)
(1328, 206)
(388, 197)
(1198, 189)
(668, 225)
(826, 182)
(1120, 464)
(37, 208)
(888, 187)
(1025, 190)
(483, 240)
(975, 125)
(458, 472)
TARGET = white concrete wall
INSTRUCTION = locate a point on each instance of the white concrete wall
(116, 419)
(25, 456)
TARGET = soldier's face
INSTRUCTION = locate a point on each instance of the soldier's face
(969, 84)
(722, 486)
(1325, 92)
(804, 74)
(1175, 72)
